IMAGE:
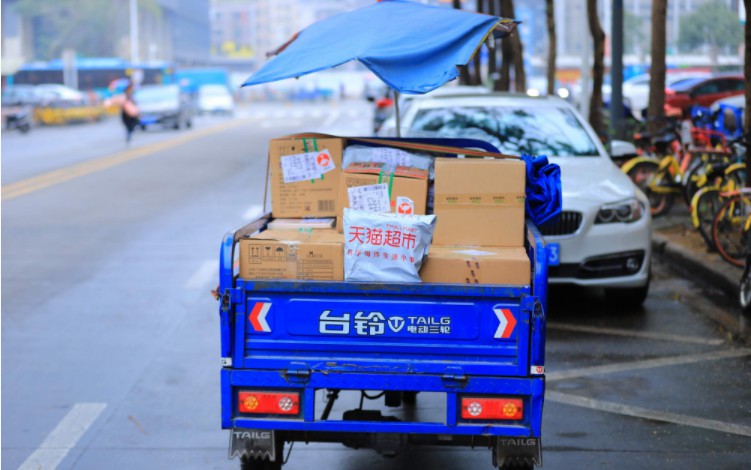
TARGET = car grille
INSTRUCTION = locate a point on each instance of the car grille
(566, 224)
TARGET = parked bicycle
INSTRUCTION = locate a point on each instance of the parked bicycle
(731, 225)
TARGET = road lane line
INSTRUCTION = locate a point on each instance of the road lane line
(204, 276)
(52, 178)
(644, 413)
(635, 334)
(646, 364)
(64, 437)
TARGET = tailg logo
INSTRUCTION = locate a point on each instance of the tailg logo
(378, 324)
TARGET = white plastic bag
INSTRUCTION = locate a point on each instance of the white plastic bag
(383, 247)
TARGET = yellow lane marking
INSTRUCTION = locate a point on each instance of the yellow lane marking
(45, 180)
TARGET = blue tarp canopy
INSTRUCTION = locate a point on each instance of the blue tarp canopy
(414, 48)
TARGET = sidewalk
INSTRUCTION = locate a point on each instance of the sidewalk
(675, 242)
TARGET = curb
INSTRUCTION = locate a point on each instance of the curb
(696, 267)
(693, 265)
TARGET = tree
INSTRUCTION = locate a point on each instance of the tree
(712, 24)
(516, 49)
(598, 69)
(476, 65)
(83, 25)
(552, 45)
(656, 109)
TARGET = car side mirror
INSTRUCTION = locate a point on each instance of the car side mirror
(621, 149)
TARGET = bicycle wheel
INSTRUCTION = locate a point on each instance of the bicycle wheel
(702, 174)
(729, 229)
(704, 206)
(646, 175)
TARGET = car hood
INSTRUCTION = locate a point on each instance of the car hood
(593, 179)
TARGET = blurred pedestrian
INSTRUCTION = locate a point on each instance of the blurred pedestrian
(129, 113)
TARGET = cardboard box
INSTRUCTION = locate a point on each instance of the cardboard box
(404, 182)
(315, 197)
(476, 265)
(290, 254)
(302, 224)
(479, 202)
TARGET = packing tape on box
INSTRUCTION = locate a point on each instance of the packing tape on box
(497, 199)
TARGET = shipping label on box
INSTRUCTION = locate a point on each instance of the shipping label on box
(479, 202)
(287, 254)
(305, 176)
(406, 189)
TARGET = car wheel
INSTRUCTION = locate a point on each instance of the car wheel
(176, 125)
(189, 124)
(631, 297)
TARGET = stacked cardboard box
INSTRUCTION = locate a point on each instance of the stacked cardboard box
(288, 254)
(406, 187)
(479, 205)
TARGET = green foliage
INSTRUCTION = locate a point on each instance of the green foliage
(88, 26)
(635, 35)
(712, 24)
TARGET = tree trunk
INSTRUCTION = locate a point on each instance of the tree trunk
(598, 69)
(552, 45)
(656, 110)
(520, 77)
(507, 52)
(463, 69)
(747, 73)
(476, 65)
(492, 51)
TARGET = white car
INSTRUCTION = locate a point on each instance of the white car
(215, 99)
(603, 236)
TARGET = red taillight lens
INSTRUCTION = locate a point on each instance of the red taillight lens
(287, 403)
(492, 408)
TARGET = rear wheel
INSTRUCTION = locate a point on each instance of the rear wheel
(745, 290)
(704, 207)
(729, 229)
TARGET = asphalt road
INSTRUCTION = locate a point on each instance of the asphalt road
(110, 339)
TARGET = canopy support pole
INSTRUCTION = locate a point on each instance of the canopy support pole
(396, 110)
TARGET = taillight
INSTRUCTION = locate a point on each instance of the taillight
(287, 403)
(492, 408)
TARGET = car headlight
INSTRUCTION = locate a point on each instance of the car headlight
(627, 211)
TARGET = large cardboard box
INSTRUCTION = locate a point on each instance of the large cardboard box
(476, 265)
(313, 197)
(408, 187)
(479, 202)
(292, 254)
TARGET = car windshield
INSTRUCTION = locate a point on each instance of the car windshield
(156, 94)
(533, 130)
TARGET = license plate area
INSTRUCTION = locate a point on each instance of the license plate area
(554, 254)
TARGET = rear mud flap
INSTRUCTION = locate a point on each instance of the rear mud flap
(522, 450)
(253, 443)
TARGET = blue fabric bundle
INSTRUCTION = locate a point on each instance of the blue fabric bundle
(544, 199)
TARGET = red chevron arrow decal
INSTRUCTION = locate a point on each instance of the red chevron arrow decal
(257, 317)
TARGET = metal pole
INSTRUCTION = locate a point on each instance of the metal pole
(616, 70)
(134, 46)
